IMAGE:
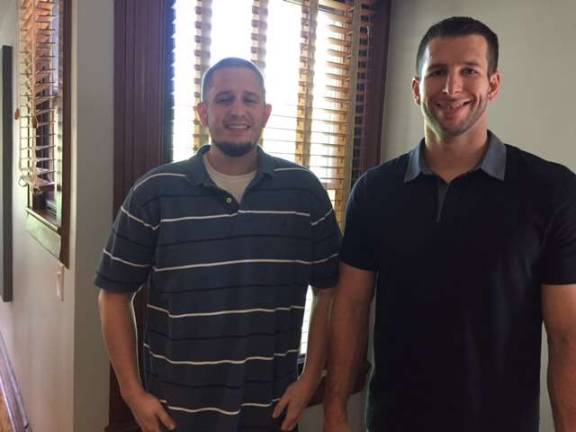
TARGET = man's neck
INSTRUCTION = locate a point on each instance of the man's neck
(232, 165)
(453, 156)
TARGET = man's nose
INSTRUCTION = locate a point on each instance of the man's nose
(453, 84)
(237, 107)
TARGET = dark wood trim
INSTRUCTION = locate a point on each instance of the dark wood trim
(64, 229)
(129, 426)
(9, 390)
(371, 153)
(43, 231)
(7, 153)
(142, 112)
(140, 71)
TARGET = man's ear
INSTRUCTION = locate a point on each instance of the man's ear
(267, 112)
(202, 113)
(495, 80)
(416, 90)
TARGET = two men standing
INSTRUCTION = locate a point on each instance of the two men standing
(469, 243)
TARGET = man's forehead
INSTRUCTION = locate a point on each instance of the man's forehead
(472, 49)
(235, 76)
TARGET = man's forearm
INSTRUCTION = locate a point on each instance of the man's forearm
(562, 384)
(318, 336)
(120, 337)
(349, 323)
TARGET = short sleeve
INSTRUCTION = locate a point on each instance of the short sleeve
(559, 254)
(128, 257)
(326, 239)
(358, 249)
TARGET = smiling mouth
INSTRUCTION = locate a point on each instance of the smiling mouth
(452, 106)
(237, 126)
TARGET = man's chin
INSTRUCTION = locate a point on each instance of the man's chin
(234, 149)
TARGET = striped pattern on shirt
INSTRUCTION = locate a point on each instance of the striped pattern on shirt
(227, 285)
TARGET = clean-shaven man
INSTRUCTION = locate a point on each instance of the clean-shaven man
(467, 245)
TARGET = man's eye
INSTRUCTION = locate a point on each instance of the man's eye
(250, 101)
(470, 71)
(224, 100)
(436, 73)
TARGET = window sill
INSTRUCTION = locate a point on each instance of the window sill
(44, 232)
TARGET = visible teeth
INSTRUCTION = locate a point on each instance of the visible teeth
(237, 126)
(453, 106)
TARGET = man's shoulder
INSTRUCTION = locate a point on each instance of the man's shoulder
(551, 183)
(291, 173)
(527, 164)
(390, 172)
(163, 177)
(283, 165)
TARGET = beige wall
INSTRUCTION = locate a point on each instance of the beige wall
(54, 345)
(535, 108)
(92, 133)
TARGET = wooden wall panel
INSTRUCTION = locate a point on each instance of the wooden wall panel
(142, 60)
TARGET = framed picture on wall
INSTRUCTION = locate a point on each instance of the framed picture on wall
(6, 174)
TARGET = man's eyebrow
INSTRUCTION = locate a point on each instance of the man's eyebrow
(436, 66)
(444, 65)
(231, 93)
(472, 63)
(251, 93)
(223, 93)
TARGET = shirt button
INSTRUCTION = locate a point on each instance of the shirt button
(228, 200)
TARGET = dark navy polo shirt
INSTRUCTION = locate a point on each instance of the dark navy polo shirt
(493, 163)
(458, 301)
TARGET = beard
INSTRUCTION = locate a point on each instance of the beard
(235, 149)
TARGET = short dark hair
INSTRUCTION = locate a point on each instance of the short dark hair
(457, 27)
(230, 62)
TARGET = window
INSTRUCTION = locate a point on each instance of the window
(43, 158)
(314, 56)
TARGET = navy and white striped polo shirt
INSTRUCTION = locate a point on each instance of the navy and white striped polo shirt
(228, 284)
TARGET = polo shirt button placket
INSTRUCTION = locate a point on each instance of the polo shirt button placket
(231, 205)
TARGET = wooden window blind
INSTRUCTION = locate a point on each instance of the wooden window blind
(43, 24)
(315, 58)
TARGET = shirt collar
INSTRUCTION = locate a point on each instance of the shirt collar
(493, 163)
(198, 175)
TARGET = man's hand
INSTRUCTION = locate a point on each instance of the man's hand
(149, 412)
(294, 401)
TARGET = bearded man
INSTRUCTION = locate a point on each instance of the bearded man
(229, 242)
